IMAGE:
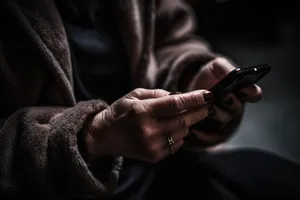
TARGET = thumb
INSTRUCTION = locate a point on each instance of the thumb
(211, 73)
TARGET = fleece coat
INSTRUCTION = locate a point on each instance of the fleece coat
(40, 117)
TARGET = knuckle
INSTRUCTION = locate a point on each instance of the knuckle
(120, 103)
(147, 132)
(137, 92)
(177, 103)
(137, 109)
(159, 92)
(198, 99)
(219, 61)
(220, 67)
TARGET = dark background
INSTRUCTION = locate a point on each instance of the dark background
(253, 32)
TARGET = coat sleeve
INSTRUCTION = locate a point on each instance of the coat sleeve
(39, 153)
(179, 53)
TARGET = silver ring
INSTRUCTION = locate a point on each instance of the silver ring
(171, 143)
(170, 140)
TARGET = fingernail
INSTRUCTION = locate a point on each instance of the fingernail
(208, 97)
(173, 93)
(229, 101)
(211, 111)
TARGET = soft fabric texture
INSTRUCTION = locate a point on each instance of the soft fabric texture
(40, 116)
(95, 43)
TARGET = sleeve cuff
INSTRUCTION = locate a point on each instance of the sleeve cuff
(70, 171)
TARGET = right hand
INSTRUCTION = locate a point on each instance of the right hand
(137, 125)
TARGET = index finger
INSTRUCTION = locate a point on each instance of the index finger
(174, 104)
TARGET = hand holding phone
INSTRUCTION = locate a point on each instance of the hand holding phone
(233, 82)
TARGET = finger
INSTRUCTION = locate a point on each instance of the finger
(174, 125)
(162, 151)
(250, 94)
(210, 138)
(159, 141)
(173, 104)
(142, 93)
(220, 67)
(179, 135)
(232, 105)
(171, 149)
(184, 120)
(212, 73)
(220, 115)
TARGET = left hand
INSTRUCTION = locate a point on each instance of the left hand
(230, 112)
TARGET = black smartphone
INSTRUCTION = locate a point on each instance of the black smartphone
(239, 78)
(234, 81)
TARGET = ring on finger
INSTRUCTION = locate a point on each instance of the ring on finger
(171, 143)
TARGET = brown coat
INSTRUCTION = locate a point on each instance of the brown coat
(40, 117)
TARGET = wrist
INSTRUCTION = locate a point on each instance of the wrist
(85, 141)
(95, 135)
(92, 138)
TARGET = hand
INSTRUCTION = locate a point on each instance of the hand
(229, 114)
(137, 125)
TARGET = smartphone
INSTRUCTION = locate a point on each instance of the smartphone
(235, 80)
(239, 78)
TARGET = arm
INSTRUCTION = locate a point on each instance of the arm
(40, 155)
(179, 52)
